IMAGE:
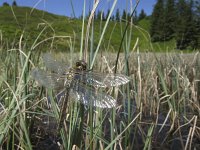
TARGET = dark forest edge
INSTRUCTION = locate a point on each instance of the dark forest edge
(179, 20)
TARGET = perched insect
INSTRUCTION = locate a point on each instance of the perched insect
(81, 84)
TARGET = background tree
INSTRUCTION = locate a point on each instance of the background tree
(170, 20)
(98, 16)
(197, 24)
(14, 3)
(135, 18)
(87, 15)
(5, 4)
(124, 15)
(95, 15)
(129, 17)
(157, 22)
(142, 15)
(113, 18)
(107, 14)
(117, 16)
(191, 28)
(185, 26)
(103, 16)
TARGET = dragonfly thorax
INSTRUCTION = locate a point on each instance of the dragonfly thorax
(69, 77)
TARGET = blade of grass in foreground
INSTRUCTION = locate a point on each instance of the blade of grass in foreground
(16, 106)
(117, 138)
(103, 32)
(123, 36)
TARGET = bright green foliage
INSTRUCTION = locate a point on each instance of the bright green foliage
(32, 23)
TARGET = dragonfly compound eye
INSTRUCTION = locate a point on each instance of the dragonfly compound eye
(81, 65)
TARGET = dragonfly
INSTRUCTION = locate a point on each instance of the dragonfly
(81, 84)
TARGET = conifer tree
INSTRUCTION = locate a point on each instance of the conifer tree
(170, 20)
(181, 24)
(142, 15)
(158, 22)
(5, 4)
(98, 16)
(129, 16)
(113, 18)
(117, 16)
(103, 16)
(95, 15)
(191, 30)
(108, 12)
(135, 18)
(185, 26)
(197, 24)
(89, 13)
(14, 3)
(124, 15)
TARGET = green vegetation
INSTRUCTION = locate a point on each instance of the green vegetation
(142, 15)
(18, 20)
(177, 20)
(161, 108)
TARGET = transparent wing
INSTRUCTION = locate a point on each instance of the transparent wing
(91, 97)
(53, 81)
(92, 78)
(102, 80)
(80, 91)
(53, 64)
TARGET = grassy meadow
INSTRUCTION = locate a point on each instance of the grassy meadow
(31, 22)
(158, 109)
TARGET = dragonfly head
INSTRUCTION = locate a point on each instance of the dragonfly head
(81, 65)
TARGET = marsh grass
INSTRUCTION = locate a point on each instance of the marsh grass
(164, 100)
(159, 108)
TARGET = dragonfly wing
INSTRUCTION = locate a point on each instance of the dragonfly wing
(52, 81)
(53, 64)
(103, 80)
(91, 97)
